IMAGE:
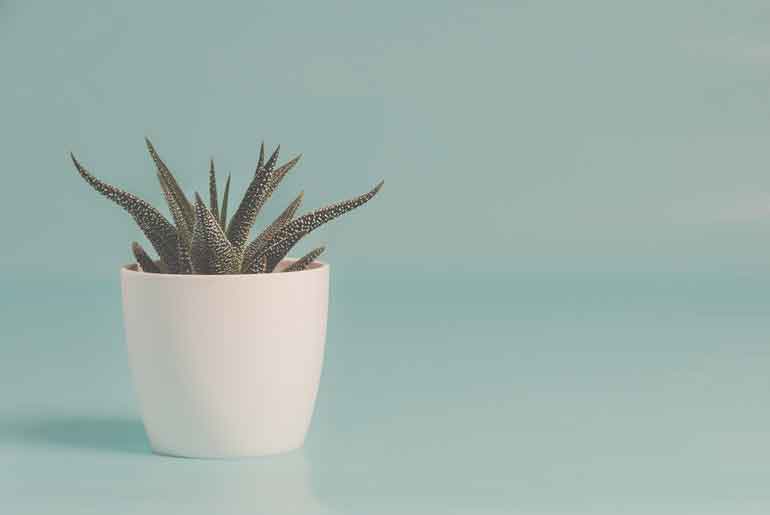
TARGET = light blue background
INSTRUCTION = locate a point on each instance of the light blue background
(558, 304)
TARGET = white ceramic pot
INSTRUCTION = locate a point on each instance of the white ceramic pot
(226, 365)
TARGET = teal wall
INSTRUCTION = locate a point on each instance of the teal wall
(532, 135)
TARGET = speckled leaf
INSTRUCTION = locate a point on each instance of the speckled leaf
(146, 264)
(158, 230)
(281, 172)
(183, 231)
(213, 196)
(225, 198)
(243, 219)
(172, 184)
(313, 220)
(278, 250)
(184, 258)
(272, 160)
(199, 250)
(220, 255)
(263, 240)
(261, 159)
(305, 261)
(257, 266)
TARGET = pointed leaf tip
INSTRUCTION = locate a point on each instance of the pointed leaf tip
(257, 193)
(158, 230)
(282, 170)
(317, 218)
(305, 261)
(173, 186)
(261, 158)
(274, 156)
(213, 195)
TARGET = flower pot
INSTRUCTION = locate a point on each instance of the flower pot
(226, 365)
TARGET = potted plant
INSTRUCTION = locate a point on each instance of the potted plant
(225, 334)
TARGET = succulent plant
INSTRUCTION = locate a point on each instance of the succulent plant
(201, 240)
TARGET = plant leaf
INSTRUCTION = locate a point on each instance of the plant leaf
(278, 250)
(153, 224)
(274, 253)
(256, 194)
(281, 172)
(219, 257)
(273, 159)
(213, 197)
(278, 175)
(305, 261)
(311, 221)
(261, 159)
(257, 266)
(185, 260)
(146, 264)
(172, 185)
(223, 214)
(199, 250)
(183, 231)
(261, 242)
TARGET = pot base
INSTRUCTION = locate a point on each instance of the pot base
(225, 456)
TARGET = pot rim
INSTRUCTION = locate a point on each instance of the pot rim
(131, 269)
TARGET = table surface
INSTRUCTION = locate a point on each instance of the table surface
(442, 392)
